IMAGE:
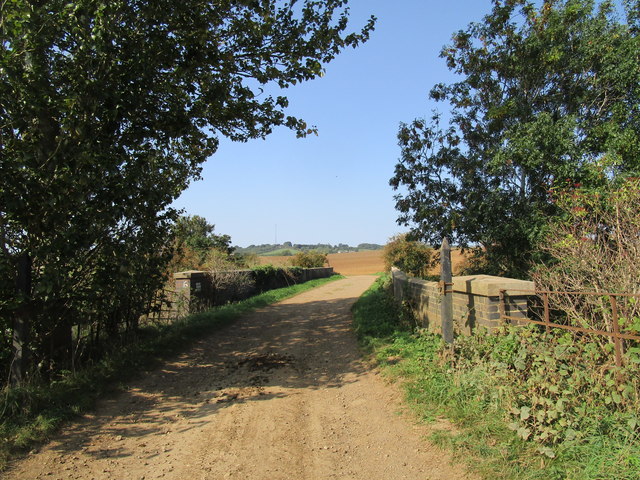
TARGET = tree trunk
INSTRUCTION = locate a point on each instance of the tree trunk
(22, 322)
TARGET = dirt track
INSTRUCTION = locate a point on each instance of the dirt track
(282, 394)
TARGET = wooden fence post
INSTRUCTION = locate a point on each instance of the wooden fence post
(446, 307)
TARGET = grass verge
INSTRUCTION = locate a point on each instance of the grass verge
(30, 414)
(521, 404)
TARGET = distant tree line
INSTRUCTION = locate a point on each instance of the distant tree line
(293, 248)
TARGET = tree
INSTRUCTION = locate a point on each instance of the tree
(194, 241)
(195, 233)
(107, 111)
(548, 97)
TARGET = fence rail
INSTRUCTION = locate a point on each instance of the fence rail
(544, 312)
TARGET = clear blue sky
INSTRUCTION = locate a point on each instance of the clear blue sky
(334, 188)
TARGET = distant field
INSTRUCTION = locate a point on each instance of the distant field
(357, 263)
(283, 252)
(351, 263)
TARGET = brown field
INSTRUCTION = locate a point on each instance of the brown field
(359, 263)
(351, 263)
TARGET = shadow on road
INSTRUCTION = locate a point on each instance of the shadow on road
(267, 354)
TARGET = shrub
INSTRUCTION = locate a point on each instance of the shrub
(558, 387)
(310, 259)
(595, 247)
(414, 258)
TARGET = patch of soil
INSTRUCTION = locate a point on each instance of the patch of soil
(266, 362)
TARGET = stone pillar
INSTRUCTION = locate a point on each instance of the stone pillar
(477, 300)
(181, 301)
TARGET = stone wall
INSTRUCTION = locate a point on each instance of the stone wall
(476, 300)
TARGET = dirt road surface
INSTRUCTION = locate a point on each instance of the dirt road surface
(281, 394)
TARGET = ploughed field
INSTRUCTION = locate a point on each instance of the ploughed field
(361, 263)
(350, 263)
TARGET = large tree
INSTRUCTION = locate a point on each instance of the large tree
(107, 111)
(547, 97)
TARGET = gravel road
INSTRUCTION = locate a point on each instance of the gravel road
(281, 394)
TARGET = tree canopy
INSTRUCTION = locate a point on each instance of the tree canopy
(548, 97)
(107, 111)
(196, 233)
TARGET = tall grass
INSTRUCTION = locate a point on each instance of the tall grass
(486, 389)
(31, 413)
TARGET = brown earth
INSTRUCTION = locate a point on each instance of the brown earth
(361, 263)
(281, 394)
(350, 263)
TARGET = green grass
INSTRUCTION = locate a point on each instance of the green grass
(476, 387)
(282, 252)
(30, 414)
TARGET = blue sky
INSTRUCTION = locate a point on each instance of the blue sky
(334, 188)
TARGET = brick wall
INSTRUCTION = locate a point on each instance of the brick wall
(475, 300)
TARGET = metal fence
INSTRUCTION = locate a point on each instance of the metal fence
(614, 316)
(167, 306)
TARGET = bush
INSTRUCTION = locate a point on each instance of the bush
(414, 258)
(558, 387)
(595, 247)
(310, 259)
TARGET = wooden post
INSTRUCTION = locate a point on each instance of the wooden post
(547, 317)
(617, 341)
(446, 307)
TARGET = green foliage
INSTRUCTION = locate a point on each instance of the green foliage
(561, 388)
(268, 276)
(375, 314)
(412, 257)
(548, 92)
(195, 232)
(196, 247)
(281, 252)
(29, 414)
(524, 404)
(311, 259)
(108, 110)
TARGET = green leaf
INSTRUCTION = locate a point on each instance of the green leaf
(524, 433)
(547, 451)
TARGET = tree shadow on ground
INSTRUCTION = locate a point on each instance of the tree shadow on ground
(266, 354)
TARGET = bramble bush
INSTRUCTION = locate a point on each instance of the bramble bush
(595, 247)
(558, 386)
